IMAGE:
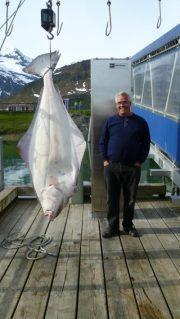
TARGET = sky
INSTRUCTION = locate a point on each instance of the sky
(84, 22)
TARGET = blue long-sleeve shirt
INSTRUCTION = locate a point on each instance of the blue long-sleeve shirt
(125, 139)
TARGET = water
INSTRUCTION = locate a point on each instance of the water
(16, 171)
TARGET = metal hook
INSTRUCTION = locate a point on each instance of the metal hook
(159, 19)
(50, 37)
(109, 24)
(9, 29)
(58, 28)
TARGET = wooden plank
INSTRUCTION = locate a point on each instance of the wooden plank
(26, 190)
(7, 196)
(16, 275)
(120, 295)
(145, 284)
(150, 240)
(133, 274)
(175, 200)
(173, 207)
(92, 301)
(152, 245)
(90, 246)
(163, 267)
(169, 216)
(147, 190)
(159, 220)
(63, 296)
(14, 213)
(24, 224)
(37, 287)
(11, 216)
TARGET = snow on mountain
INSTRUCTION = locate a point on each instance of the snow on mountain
(12, 77)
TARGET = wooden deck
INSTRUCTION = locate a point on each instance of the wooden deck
(123, 277)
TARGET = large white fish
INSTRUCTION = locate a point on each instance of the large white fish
(53, 146)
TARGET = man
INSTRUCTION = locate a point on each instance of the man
(124, 146)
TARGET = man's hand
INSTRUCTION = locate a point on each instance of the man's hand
(106, 163)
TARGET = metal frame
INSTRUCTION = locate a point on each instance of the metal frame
(167, 168)
(108, 76)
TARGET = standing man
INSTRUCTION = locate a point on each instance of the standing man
(124, 146)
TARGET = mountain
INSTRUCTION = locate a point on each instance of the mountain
(12, 77)
(72, 80)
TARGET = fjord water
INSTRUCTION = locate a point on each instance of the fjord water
(17, 173)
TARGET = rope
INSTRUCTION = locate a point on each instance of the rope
(9, 29)
(50, 51)
(20, 4)
(33, 244)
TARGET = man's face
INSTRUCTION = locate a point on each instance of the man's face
(123, 105)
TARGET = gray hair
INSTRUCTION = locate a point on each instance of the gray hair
(123, 93)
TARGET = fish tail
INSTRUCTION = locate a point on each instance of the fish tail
(40, 65)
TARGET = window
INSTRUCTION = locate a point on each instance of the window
(138, 77)
(147, 94)
(161, 68)
(173, 106)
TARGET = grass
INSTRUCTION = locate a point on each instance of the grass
(14, 122)
(81, 112)
(10, 150)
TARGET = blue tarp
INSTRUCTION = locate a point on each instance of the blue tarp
(167, 37)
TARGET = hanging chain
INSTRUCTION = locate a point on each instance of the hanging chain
(160, 18)
(49, 4)
(7, 8)
(7, 16)
(109, 23)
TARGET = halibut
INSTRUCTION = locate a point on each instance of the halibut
(53, 146)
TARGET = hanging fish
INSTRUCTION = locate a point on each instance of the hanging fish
(53, 146)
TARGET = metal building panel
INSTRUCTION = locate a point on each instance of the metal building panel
(108, 76)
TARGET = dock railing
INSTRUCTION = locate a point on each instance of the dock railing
(1, 165)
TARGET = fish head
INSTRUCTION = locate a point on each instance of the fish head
(42, 63)
(53, 200)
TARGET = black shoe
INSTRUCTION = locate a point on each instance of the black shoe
(108, 233)
(131, 231)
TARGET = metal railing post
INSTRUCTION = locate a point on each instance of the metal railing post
(1, 165)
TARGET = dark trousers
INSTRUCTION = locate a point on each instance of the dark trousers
(117, 177)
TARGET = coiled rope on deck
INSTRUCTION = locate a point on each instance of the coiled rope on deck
(34, 245)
